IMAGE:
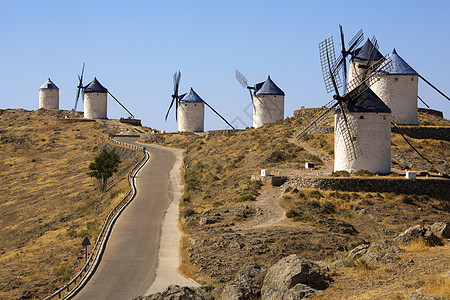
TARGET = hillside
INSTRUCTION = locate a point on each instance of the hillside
(230, 220)
(47, 201)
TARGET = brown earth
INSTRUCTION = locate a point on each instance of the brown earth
(48, 203)
(230, 222)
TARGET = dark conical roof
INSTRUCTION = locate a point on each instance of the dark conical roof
(269, 88)
(49, 85)
(191, 96)
(363, 53)
(368, 101)
(95, 87)
(401, 66)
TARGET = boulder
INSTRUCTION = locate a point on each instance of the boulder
(247, 284)
(419, 296)
(289, 272)
(300, 291)
(375, 252)
(175, 292)
(441, 230)
(417, 233)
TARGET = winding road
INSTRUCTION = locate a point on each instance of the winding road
(128, 267)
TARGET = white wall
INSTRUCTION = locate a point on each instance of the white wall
(95, 105)
(49, 98)
(399, 93)
(267, 109)
(373, 134)
(191, 116)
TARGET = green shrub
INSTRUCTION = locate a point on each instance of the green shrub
(340, 174)
(188, 211)
(364, 173)
(328, 207)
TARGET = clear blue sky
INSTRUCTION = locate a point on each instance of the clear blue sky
(134, 47)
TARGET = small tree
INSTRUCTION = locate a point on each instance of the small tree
(104, 166)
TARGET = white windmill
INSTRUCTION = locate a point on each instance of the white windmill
(49, 95)
(189, 108)
(267, 99)
(362, 121)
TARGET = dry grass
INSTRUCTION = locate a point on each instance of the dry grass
(48, 202)
(218, 168)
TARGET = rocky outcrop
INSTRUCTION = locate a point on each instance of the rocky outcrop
(441, 230)
(417, 233)
(375, 252)
(175, 292)
(293, 278)
(419, 296)
(247, 284)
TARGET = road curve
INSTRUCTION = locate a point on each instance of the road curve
(128, 265)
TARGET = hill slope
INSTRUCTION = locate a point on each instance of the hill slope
(47, 202)
(230, 220)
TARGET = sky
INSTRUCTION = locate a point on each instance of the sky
(134, 48)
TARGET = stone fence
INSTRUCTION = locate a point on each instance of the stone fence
(418, 132)
(437, 188)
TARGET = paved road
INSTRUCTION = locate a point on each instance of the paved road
(129, 262)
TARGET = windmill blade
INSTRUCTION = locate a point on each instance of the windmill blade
(401, 133)
(355, 41)
(80, 87)
(344, 60)
(171, 104)
(176, 83)
(328, 64)
(423, 101)
(317, 120)
(356, 86)
(241, 79)
(429, 83)
(176, 109)
(121, 104)
(372, 51)
(347, 130)
(218, 114)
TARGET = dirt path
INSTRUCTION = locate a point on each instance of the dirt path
(268, 212)
(328, 161)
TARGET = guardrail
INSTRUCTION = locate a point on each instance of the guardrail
(75, 284)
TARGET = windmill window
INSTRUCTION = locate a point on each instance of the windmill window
(361, 117)
(412, 78)
(396, 79)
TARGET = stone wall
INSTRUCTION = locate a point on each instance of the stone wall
(433, 112)
(436, 133)
(437, 188)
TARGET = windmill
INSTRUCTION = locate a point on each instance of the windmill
(94, 96)
(190, 107)
(355, 103)
(267, 100)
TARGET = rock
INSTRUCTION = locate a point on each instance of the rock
(441, 230)
(289, 272)
(416, 233)
(300, 291)
(175, 292)
(246, 285)
(418, 296)
(338, 226)
(375, 252)
(209, 220)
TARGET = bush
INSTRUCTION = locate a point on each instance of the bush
(187, 212)
(340, 174)
(297, 214)
(328, 207)
(316, 194)
(364, 173)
